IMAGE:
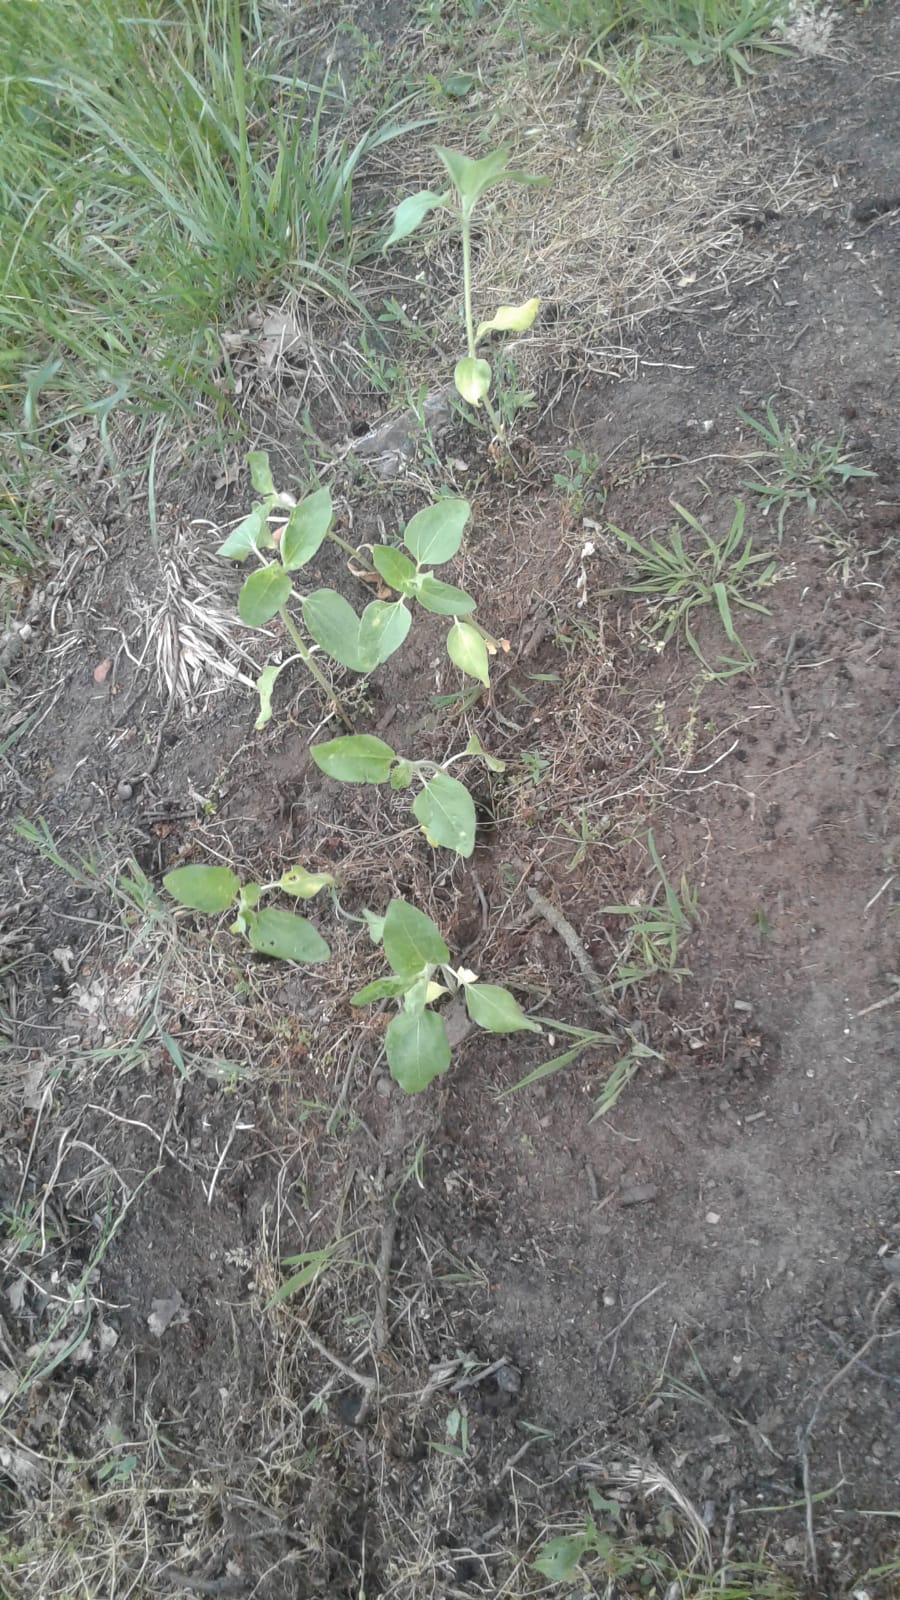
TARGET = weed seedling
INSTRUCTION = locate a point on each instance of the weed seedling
(470, 180)
(270, 931)
(432, 536)
(802, 475)
(416, 1041)
(654, 932)
(723, 573)
(443, 806)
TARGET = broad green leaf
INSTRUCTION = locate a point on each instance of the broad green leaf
(305, 529)
(468, 651)
(472, 377)
(471, 177)
(402, 775)
(559, 1558)
(291, 938)
(381, 989)
(260, 474)
(447, 813)
(411, 211)
(476, 748)
(411, 940)
(510, 319)
(251, 534)
(304, 885)
(250, 893)
(417, 1049)
(435, 533)
(354, 758)
(334, 625)
(497, 1010)
(209, 889)
(383, 627)
(265, 683)
(262, 594)
(394, 567)
(443, 598)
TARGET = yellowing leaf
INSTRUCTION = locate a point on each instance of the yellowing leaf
(510, 319)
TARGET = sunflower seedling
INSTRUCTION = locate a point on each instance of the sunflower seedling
(443, 805)
(416, 1041)
(469, 180)
(269, 930)
(360, 644)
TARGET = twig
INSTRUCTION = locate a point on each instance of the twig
(573, 944)
(361, 1379)
(237, 1126)
(878, 1005)
(614, 1333)
(513, 1461)
(383, 1275)
(473, 1378)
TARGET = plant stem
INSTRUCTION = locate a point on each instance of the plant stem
(466, 216)
(343, 544)
(306, 657)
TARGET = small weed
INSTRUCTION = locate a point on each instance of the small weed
(654, 931)
(723, 573)
(576, 481)
(706, 32)
(587, 834)
(803, 474)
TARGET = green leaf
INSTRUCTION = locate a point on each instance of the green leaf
(311, 1262)
(476, 748)
(210, 889)
(251, 534)
(265, 683)
(497, 1010)
(334, 625)
(250, 893)
(447, 813)
(559, 1558)
(472, 377)
(510, 319)
(262, 594)
(394, 567)
(411, 211)
(442, 598)
(304, 885)
(260, 475)
(381, 989)
(435, 533)
(289, 937)
(417, 1049)
(415, 996)
(471, 177)
(411, 940)
(383, 627)
(374, 924)
(468, 651)
(305, 529)
(458, 84)
(402, 775)
(354, 758)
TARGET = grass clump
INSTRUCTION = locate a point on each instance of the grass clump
(153, 166)
(706, 32)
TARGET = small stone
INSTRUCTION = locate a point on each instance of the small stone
(638, 1194)
(26, 632)
(124, 790)
(712, 1218)
(383, 1086)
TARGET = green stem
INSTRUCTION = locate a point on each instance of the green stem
(466, 215)
(344, 544)
(306, 657)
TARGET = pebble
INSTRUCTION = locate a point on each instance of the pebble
(638, 1194)
(383, 1086)
(124, 790)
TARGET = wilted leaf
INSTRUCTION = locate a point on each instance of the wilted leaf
(510, 319)
(304, 885)
(472, 377)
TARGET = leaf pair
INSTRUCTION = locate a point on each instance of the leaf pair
(416, 1042)
(443, 805)
(270, 931)
(470, 179)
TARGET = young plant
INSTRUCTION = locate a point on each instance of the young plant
(802, 475)
(722, 573)
(470, 179)
(360, 644)
(443, 806)
(416, 1041)
(271, 931)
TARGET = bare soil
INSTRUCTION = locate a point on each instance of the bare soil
(704, 1279)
